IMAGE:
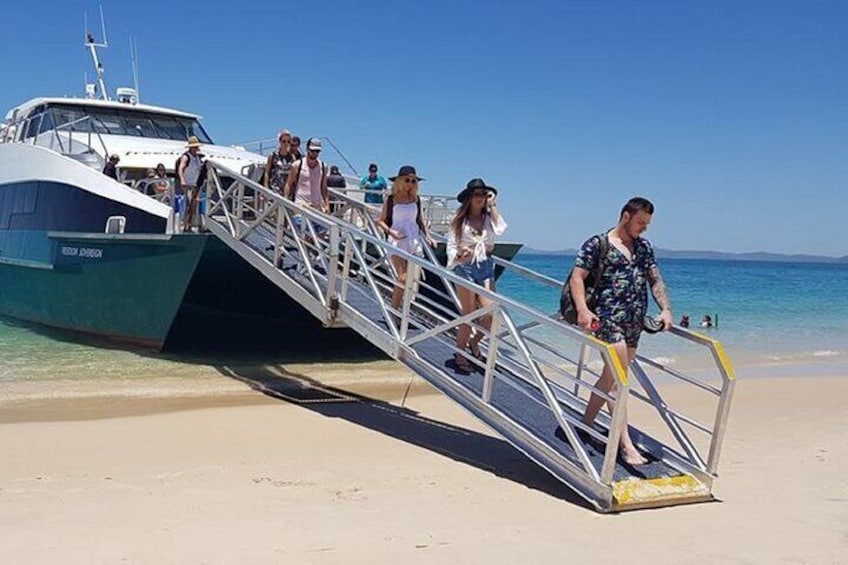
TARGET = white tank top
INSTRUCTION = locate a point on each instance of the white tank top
(308, 191)
(404, 220)
(192, 170)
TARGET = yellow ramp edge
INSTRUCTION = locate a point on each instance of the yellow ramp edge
(662, 491)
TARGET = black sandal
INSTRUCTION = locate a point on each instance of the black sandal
(461, 363)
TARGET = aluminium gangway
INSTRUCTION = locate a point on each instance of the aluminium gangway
(532, 385)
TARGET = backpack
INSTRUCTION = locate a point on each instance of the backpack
(567, 309)
(201, 178)
(297, 177)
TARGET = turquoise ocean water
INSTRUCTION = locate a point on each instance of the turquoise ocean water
(774, 318)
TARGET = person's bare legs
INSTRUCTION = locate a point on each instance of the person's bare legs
(484, 321)
(467, 303)
(606, 384)
(399, 263)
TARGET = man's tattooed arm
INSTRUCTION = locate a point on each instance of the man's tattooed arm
(658, 288)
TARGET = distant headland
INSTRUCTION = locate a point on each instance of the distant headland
(715, 255)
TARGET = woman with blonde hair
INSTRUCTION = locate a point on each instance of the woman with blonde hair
(471, 240)
(403, 224)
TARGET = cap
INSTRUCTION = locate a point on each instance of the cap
(372, 168)
(314, 144)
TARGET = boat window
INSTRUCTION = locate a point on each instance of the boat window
(108, 121)
(171, 128)
(32, 128)
(46, 122)
(141, 126)
(118, 121)
(72, 118)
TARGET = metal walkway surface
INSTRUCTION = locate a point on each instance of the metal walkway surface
(531, 386)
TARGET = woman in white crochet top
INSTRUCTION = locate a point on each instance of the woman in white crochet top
(471, 240)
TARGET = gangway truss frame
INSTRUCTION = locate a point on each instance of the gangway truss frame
(531, 386)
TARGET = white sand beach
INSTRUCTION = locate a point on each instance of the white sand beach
(232, 475)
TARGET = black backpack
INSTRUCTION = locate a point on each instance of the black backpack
(567, 309)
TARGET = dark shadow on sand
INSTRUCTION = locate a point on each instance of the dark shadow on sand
(490, 454)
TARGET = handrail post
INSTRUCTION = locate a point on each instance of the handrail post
(348, 256)
(411, 279)
(720, 425)
(492, 354)
(333, 270)
(581, 361)
(619, 412)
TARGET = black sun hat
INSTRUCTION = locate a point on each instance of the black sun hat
(473, 185)
(405, 170)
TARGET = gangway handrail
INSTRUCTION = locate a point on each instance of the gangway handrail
(604, 349)
(330, 249)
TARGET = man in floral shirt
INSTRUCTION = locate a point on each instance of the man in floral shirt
(629, 269)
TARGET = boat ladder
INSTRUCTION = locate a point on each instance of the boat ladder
(532, 384)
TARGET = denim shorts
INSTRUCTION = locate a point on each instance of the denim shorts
(477, 273)
(300, 224)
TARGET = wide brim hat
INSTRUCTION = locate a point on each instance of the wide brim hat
(193, 142)
(405, 170)
(473, 185)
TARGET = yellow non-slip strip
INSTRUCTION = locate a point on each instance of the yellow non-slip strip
(618, 366)
(724, 360)
(635, 491)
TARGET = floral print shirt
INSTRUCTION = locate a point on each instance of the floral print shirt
(623, 288)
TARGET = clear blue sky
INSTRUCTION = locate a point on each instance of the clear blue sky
(731, 116)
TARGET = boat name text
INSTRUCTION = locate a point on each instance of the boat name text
(90, 252)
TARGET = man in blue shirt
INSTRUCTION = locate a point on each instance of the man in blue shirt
(375, 184)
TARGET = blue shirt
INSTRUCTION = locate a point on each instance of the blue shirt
(377, 183)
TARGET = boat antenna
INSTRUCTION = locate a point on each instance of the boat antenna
(349, 164)
(92, 46)
(134, 60)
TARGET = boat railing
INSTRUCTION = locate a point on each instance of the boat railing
(151, 187)
(438, 210)
(339, 265)
(63, 138)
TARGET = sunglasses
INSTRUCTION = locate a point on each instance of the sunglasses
(411, 180)
(479, 193)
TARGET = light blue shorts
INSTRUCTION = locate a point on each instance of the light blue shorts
(477, 273)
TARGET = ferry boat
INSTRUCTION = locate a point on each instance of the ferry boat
(85, 252)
